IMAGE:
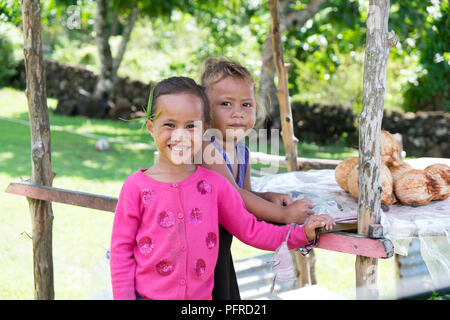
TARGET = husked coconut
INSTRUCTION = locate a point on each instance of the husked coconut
(387, 183)
(441, 175)
(387, 194)
(352, 181)
(397, 171)
(415, 187)
(390, 149)
(342, 171)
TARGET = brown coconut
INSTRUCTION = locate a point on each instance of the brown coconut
(387, 195)
(342, 171)
(415, 187)
(441, 175)
(398, 170)
(390, 149)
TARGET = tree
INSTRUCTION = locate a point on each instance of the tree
(421, 27)
(131, 9)
(267, 89)
(109, 65)
(431, 90)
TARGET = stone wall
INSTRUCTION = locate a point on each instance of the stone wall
(423, 133)
(72, 84)
(324, 124)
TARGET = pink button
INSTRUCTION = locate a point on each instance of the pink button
(180, 215)
(182, 282)
(174, 185)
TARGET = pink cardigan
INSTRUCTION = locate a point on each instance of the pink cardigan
(164, 241)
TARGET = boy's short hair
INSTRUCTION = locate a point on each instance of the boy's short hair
(215, 69)
(177, 85)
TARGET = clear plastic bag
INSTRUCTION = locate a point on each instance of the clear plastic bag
(430, 223)
(101, 287)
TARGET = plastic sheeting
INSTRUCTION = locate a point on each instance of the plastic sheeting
(430, 223)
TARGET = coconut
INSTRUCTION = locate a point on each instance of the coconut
(441, 175)
(387, 183)
(387, 194)
(352, 181)
(415, 187)
(342, 171)
(390, 149)
(398, 170)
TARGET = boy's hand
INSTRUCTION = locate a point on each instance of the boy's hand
(282, 199)
(315, 222)
(299, 210)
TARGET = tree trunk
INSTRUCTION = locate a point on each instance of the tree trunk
(304, 265)
(109, 66)
(104, 84)
(41, 211)
(267, 88)
(378, 45)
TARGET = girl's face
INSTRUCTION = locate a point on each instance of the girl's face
(233, 106)
(178, 130)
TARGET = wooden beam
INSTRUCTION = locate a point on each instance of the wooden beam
(352, 243)
(340, 227)
(76, 198)
(378, 44)
(41, 168)
(302, 163)
(305, 264)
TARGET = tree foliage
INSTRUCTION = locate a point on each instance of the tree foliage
(332, 41)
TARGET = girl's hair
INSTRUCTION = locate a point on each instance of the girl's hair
(176, 85)
(214, 70)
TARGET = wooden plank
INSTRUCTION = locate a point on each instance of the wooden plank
(41, 168)
(340, 227)
(303, 163)
(76, 198)
(375, 231)
(356, 244)
(305, 265)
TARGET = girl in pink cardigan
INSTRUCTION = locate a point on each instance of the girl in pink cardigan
(164, 241)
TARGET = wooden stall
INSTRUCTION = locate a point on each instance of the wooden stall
(362, 237)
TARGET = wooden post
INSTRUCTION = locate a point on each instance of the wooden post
(41, 211)
(305, 265)
(378, 44)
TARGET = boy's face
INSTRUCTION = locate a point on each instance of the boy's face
(178, 130)
(233, 106)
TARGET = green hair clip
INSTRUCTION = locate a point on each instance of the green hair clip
(149, 115)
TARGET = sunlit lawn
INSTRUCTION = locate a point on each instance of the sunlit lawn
(81, 236)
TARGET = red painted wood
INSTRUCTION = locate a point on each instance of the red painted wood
(356, 244)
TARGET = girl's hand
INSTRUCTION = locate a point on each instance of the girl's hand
(281, 199)
(315, 222)
(299, 210)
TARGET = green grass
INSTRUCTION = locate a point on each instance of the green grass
(80, 236)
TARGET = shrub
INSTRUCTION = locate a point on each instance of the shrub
(8, 61)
